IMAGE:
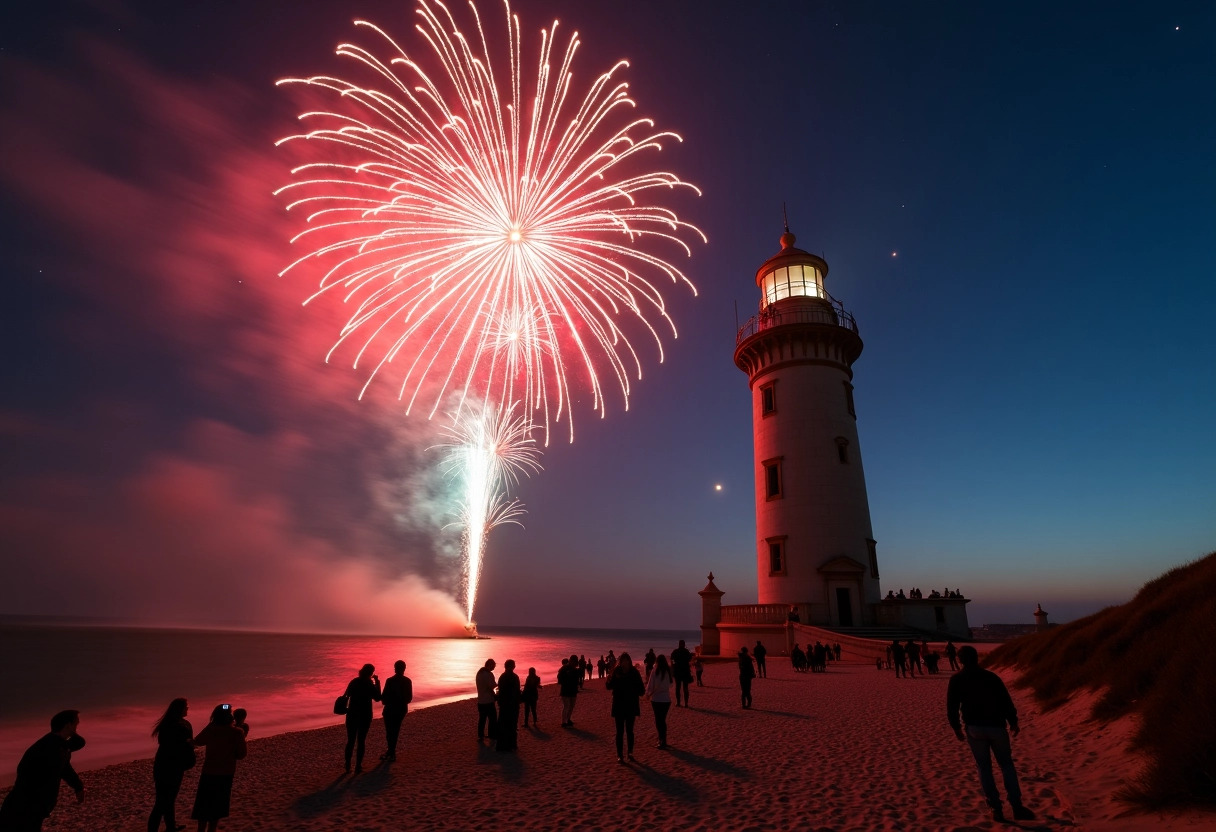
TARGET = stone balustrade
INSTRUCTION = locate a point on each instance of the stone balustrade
(755, 614)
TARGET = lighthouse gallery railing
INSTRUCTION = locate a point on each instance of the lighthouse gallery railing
(835, 316)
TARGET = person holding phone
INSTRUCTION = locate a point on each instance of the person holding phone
(225, 744)
(361, 692)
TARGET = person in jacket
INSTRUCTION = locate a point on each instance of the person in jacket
(658, 691)
(225, 744)
(396, 697)
(174, 755)
(361, 691)
(627, 689)
(487, 716)
(508, 707)
(44, 764)
(986, 708)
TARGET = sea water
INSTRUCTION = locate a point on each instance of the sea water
(122, 678)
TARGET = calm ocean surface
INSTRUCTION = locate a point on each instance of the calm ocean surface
(121, 678)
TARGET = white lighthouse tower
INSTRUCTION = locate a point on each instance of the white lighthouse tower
(815, 549)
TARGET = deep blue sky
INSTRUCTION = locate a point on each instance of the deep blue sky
(1035, 400)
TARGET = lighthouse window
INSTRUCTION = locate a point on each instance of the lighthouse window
(848, 398)
(792, 282)
(842, 450)
(772, 479)
(776, 555)
(768, 399)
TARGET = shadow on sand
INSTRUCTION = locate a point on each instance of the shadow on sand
(318, 803)
(709, 763)
(509, 764)
(670, 787)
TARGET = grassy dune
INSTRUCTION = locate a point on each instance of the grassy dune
(1153, 657)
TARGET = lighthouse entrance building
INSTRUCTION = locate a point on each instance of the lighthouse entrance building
(816, 557)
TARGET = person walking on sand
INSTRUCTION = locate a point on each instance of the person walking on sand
(699, 667)
(760, 653)
(567, 688)
(361, 691)
(898, 659)
(508, 708)
(174, 754)
(44, 764)
(531, 696)
(746, 674)
(658, 691)
(649, 661)
(681, 670)
(225, 744)
(397, 695)
(627, 689)
(951, 654)
(487, 718)
(986, 707)
(913, 651)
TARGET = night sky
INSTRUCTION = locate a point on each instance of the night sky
(1017, 202)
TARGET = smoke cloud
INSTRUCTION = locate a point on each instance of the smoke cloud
(196, 461)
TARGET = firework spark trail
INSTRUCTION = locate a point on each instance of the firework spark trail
(488, 451)
(488, 227)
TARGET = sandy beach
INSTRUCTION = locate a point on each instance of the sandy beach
(851, 749)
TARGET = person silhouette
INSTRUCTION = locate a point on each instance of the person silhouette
(396, 697)
(225, 744)
(986, 707)
(627, 689)
(174, 754)
(681, 671)
(658, 689)
(531, 696)
(746, 674)
(759, 652)
(361, 691)
(508, 708)
(487, 717)
(238, 719)
(44, 764)
(952, 654)
(568, 679)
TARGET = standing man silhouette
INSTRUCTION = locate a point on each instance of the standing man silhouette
(986, 708)
(397, 695)
(487, 718)
(681, 670)
(760, 653)
(746, 674)
(43, 765)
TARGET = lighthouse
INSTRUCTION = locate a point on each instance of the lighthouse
(815, 549)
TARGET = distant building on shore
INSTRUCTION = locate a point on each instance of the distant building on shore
(816, 557)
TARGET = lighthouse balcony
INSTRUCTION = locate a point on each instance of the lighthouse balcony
(821, 313)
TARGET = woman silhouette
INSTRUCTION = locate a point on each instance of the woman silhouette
(174, 754)
(362, 691)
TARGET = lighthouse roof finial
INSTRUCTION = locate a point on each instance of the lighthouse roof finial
(787, 239)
